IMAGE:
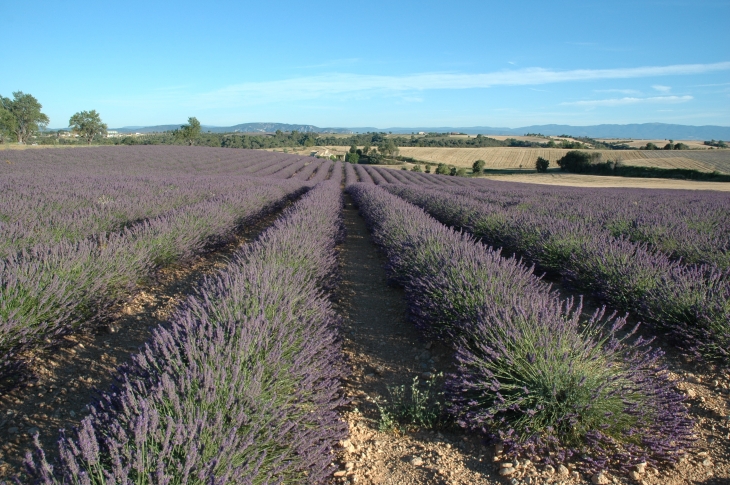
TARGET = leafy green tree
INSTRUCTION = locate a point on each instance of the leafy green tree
(442, 169)
(352, 157)
(26, 114)
(388, 147)
(87, 124)
(578, 162)
(428, 169)
(478, 167)
(453, 171)
(353, 148)
(542, 164)
(461, 172)
(416, 168)
(189, 133)
(7, 123)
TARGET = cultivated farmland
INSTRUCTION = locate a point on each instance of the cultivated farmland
(515, 158)
(411, 328)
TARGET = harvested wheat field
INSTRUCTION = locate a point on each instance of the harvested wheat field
(694, 144)
(512, 158)
(578, 180)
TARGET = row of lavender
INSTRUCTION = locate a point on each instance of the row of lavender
(152, 161)
(691, 226)
(52, 289)
(241, 386)
(534, 372)
(690, 303)
(74, 242)
(73, 206)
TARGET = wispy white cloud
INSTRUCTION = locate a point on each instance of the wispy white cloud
(341, 84)
(661, 89)
(622, 91)
(629, 100)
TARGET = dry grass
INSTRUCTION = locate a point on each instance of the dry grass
(515, 158)
(694, 144)
(577, 180)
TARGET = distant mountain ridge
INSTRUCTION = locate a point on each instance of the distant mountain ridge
(644, 131)
(240, 128)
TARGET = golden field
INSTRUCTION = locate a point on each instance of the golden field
(579, 180)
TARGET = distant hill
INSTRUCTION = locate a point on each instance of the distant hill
(644, 131)
(242, 128)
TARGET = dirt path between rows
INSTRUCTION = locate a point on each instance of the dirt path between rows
(383, 350)
(64, 380)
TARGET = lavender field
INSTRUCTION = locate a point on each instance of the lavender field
(242, 382)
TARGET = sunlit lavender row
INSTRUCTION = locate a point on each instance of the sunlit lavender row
(73, 206)
(82, 227)
(693, 226)
(690, 304)
(53, 289)
(534, 373)
(242, 386)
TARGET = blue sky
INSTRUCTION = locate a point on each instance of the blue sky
(375, 63)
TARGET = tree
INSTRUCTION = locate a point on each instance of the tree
(542, 164)
(388, 147)
(416, 168)
(442, 169)
(7, 123)
(461, 172)
(352, 157)
(189, 133)
(478, 167)
(428, 169)
(578, 162)
(26, 115)
(87, 124)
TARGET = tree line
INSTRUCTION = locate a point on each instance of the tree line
(21, 118)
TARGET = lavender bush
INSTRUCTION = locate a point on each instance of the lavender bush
(51, 290)
(350, 175)
(690, 303)
(241, 387)
(323, 172)
(534, 372)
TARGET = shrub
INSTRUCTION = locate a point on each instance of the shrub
(542, 164)
(478, 167)
(417, 168)
(576, 161)
(442, 169)
(352, 157)
(534, 372)
(241, 386)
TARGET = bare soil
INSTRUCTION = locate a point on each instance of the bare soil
(383, 350)
(65, 379)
